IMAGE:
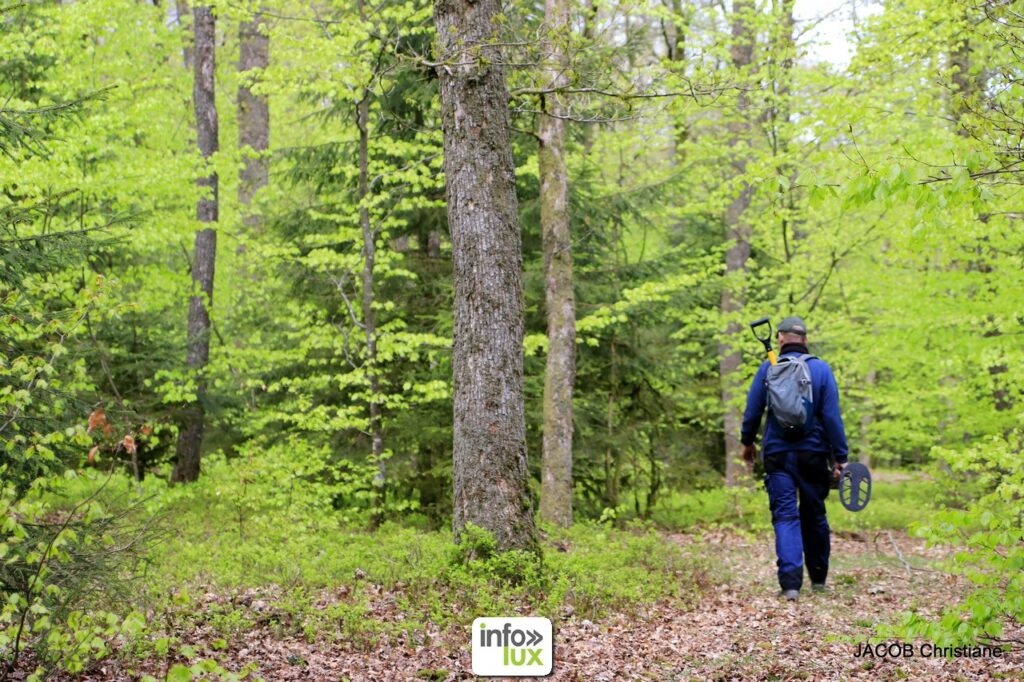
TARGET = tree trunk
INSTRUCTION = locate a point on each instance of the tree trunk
(369, 315)
(675, 44)
(190, 435)
(181, 10)
(612, 455)
(738, 232)
(560, 371)
(781, 114)
(490, 473)
(868, 417)
(965, 86)
(253, 116)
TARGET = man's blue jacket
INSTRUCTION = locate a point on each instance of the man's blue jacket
(828, 436)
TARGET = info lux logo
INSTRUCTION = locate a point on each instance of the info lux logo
(512, 647)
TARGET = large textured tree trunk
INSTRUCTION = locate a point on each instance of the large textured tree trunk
(190, 435)
(369, 315)
(560, 372)
(490, 473)
(253, 116)
(738, 232)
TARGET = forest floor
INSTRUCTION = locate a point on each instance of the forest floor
(737, 629)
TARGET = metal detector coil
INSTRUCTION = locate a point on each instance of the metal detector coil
(855, 486)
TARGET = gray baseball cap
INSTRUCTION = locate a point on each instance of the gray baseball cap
(793, 325)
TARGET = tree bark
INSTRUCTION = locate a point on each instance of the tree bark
(964, 84)
(190, 435)
(612, 455)
(369, 315)
(253, 116)
(181, 10)
(490, 472)
(781, 114)
(870, 379)
(738, 232)
(560, 371)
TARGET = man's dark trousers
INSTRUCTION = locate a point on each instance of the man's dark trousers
(798, 483)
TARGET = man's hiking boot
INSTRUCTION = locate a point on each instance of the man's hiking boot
(791, 595)
(819, 587)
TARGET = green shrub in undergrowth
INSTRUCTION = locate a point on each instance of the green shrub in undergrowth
(738, 507)
(898, 501)
(281, 558)
(590, 568)
(62, 571)
(318, 575)
(988, 534)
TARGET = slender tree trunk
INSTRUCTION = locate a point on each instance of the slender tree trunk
(369, 315)
(560, 371)
(591, 16)
(738, 232)
(181, 10)
(966, 90)
(490, 472)
(676, 47)
(781, 114)
(612, 455)
(190, 435)
(865, 421)
(253, 116)
(965, 85)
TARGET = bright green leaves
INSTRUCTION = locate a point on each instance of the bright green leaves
(989, 531)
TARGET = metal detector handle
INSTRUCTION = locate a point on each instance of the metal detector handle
(767, 339)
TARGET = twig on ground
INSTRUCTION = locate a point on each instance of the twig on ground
(899, 554)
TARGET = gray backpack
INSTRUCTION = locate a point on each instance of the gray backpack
(790, 396)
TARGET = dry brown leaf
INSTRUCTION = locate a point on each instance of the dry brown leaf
(97, 420)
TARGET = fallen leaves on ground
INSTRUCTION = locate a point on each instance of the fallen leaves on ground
(739, 629)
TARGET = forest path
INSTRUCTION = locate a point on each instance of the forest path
(737, 629)
(742, 630)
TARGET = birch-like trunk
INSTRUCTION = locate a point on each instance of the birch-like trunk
(369, 314)
(253, 116)
(738, 232)
(560, 371)
(190, 434)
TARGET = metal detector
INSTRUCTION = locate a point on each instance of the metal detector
(855, 486)
(767, 339)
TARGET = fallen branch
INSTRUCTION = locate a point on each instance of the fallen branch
(899, 554)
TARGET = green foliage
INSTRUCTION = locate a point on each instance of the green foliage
(65, 575)
(884, 208)
(989, 540)
(900, 500)
(348, 592)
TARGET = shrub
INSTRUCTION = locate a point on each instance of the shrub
(58, 567)
(989, 535)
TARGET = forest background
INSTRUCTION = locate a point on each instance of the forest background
(228, 297)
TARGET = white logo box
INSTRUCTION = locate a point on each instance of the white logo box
(512, 647)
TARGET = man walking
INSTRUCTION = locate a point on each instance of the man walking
(796, 459)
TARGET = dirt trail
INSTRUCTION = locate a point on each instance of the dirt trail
(739, 630)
